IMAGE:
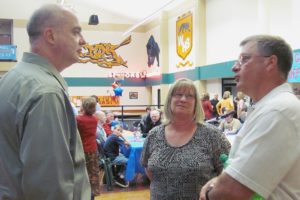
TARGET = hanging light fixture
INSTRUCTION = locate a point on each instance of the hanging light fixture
(93, 20)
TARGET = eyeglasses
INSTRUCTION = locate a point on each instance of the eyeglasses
(178, 95)
(243, 59)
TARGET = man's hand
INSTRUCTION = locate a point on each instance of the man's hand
(126, 143)
(207, 187)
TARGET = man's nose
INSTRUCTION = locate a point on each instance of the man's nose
(236, 67)
(82, 41)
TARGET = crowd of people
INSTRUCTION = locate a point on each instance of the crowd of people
(174, 132)
(57, 157)
(177, 132)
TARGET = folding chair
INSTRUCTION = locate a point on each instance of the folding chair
(107, 165)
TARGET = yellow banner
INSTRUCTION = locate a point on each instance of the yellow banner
(109, 100)
(184, 35)
(103, 100)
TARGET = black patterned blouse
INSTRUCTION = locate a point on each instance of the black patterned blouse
(178, 173)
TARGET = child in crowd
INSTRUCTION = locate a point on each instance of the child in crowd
(87, 125)
(112, 149)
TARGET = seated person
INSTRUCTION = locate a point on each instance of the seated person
(153, 119)
(148, 110)
(112, 147)
(100, 132)
(107, 125)
(229, 125)
(145, 116)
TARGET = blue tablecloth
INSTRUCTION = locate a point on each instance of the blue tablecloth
(134, 154)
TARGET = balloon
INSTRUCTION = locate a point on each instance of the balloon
(114, 85)
(118, 91)
(119, 81)
(117, 87)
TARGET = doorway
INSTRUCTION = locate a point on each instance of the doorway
(229, 84)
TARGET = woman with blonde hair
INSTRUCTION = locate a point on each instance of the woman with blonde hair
(226, 103)
(181, 154)
(241, 107)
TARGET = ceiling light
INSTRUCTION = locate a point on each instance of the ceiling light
(93, 20)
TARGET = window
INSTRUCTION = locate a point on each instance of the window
(6, 31)
(7, 49)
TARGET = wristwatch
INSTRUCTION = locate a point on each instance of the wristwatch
(206, 193)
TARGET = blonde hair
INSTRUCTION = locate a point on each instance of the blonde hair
(100, 114)
(226, 95)
(240, 95)
(185, 84)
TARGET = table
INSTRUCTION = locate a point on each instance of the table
(134, 154)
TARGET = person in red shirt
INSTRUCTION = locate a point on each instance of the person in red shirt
(207, 106)
(87, 125)
(107, 125)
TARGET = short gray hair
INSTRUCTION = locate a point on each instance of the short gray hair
(273, 45)
(50, 15)
(185, 84)
(100, 113)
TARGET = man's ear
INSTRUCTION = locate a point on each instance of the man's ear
(272, 63)
(49, 35)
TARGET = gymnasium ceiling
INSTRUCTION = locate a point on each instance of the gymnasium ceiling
(109, 11)
(133, 10)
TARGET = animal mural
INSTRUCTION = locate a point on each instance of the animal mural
(184, 27)
(152, 51)
(103, 54)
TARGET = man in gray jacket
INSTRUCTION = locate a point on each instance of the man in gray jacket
(41, 155)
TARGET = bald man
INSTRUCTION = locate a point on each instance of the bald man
(41, 155)
(153, 119)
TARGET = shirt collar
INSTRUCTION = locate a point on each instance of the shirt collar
(36, 59)
(285, 87)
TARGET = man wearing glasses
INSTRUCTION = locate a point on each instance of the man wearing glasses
(265, 157)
